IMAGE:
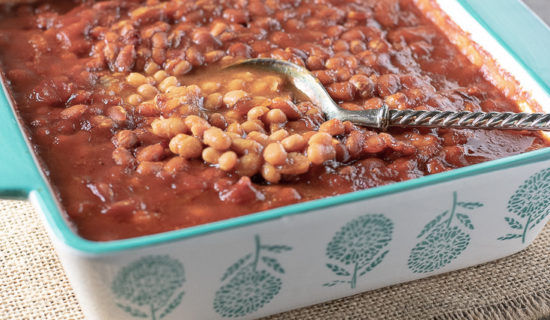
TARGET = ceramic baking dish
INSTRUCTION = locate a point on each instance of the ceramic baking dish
(303, 254)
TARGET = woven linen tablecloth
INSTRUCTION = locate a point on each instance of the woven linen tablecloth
(34, 286)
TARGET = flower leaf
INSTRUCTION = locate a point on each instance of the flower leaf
(539, 219)
(339, 271)
(470, 205)
(374, 263)
(514, 224)
(273, 263)
(335, 282)
(432, 224)
(509, 236)
(173, 305)
(276, 249)
(234, 267)
(133, 312)
(465, 220)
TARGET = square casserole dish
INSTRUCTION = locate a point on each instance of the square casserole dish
(303, 254)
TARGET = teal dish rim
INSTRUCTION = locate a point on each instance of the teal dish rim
(21, 178)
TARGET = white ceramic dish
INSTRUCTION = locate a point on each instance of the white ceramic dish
(312, 252)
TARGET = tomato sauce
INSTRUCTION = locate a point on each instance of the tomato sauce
(141, 132)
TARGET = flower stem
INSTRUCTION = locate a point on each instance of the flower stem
(452, 210)
(525, 230)
(257, 254)
(354, 277)
(153, 317)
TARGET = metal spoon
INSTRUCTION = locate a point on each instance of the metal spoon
(383, 117)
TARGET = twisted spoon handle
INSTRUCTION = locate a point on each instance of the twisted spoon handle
(469, 120)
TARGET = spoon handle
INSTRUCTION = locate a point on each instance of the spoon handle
(469, 120)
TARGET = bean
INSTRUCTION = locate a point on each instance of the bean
(218, 120)
(373, 103)
(102, 122)
(197, 124)
(275, 154)
(374, 144)
(253, 125)
(288, 107)
(244, 146)
(134, 99)
(122, 157)
(240, 49)
(353, 34)
(364, 85)
(320, 138)
(126, 58)
(297, 164)
(147, 91)
(217, 139)
(125, 139)
(334, 127)
(340, 45)
(326, 77)
(214, 56)
(175, 164)
(148, 109)
(149, 167)
(257, 112)
(397, 101)
(259, 137)
(151, 68)
(186, 146)
(153, 152)
(343, 91)
(315, 63)
(235, 128)
(357, 46)
(73, 112)
(194, 56)
(167, 83)
(160, 75)
(213, 101)
(232, 97)
(209, 87)
(270, 173)
(181, 68)
(335, 63)
(168, 128)
(235, 15)
(294, 143)
(387, 84)
(118, 114)
(275, 116)
(279, 135)
(136, 79)
(211, 155)
(218, 28)
(227, 161)
(318, 153)
(249, 164)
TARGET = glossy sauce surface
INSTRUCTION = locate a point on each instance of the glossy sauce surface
(141, 132)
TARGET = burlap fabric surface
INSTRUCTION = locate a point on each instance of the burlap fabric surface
(33, 284)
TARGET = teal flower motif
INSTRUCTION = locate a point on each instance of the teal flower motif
(532, 201)
(444, 242)
(247, 292)
(358, 243)
(440, 247)
(252, 283)
(150, 282)
(361, 239)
